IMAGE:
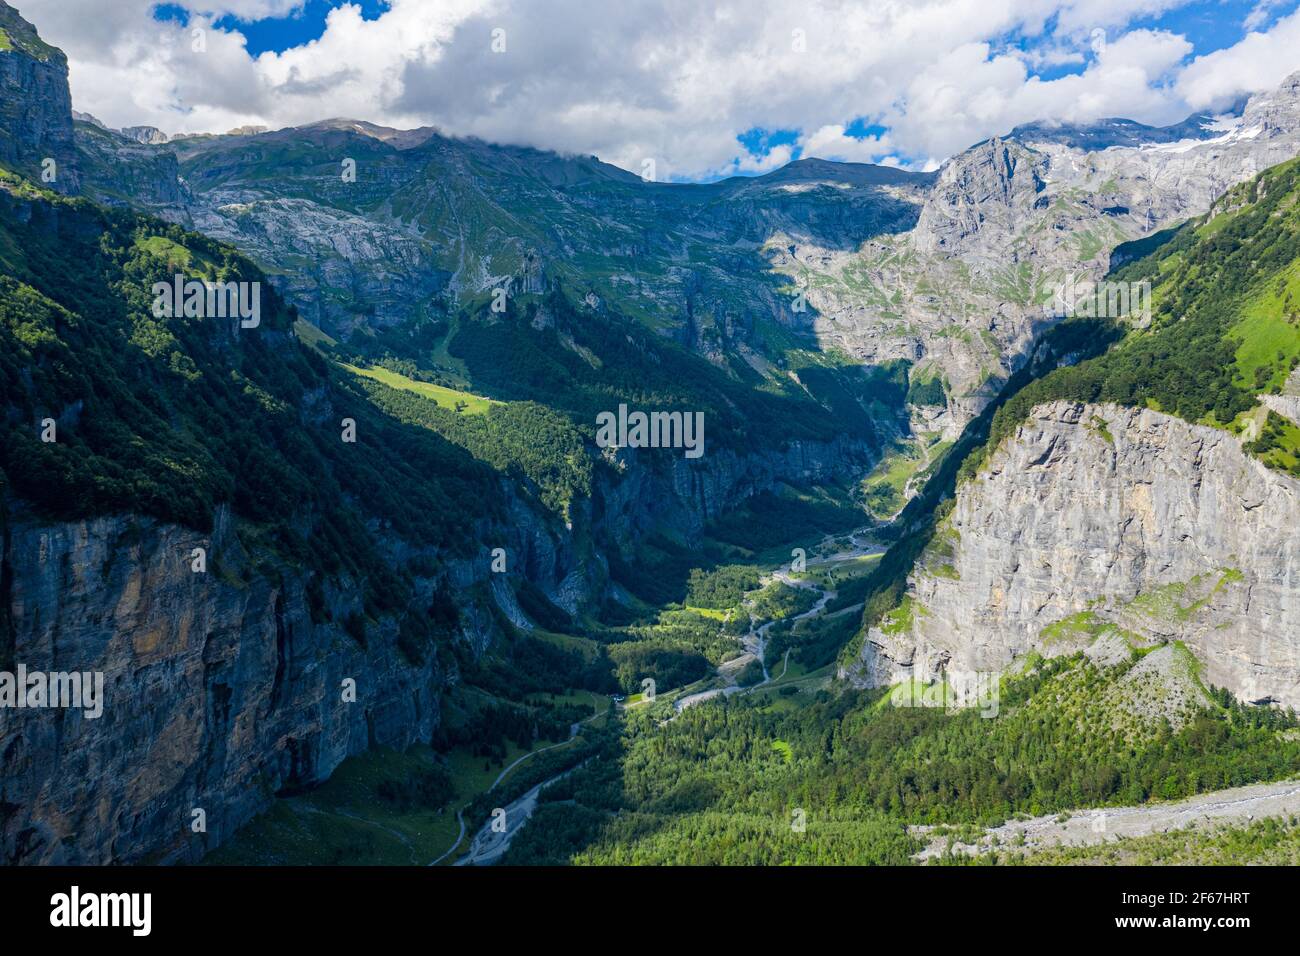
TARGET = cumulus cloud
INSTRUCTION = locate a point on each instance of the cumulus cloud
(971, 94)
(676, 81)
(1261, 13)
(834, 142)
(1259, 62)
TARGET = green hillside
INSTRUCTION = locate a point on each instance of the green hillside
(722, 783)
(1225, 324)
(172, 418)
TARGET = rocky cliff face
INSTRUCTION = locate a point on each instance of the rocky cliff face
(982, 202)
(343, 270)
(429, 216)
(667, 492)
(1100, 522)
(1008, 222)
(120, 171)
(149, 135)
(227, 686)
(35, 107)
(220, 689)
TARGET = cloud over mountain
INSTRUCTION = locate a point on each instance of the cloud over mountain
(673, 80)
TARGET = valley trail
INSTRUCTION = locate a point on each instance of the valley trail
(488, 846)
(755, 641)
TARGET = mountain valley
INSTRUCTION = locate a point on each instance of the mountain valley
(957, 553)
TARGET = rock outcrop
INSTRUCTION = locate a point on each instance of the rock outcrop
(658, 491)
(983, 200)
(1010, 221)
(221, 688)
(350, 271)
(1099, 521)
(148, 135)
(118, 171)
(35, 106)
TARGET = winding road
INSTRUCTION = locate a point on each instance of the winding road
(488, 845)
(755, 644)
(755, 641)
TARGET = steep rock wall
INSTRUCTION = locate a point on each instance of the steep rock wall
(222, 688)
(35, 106)
(1099, 519)
(219, 690)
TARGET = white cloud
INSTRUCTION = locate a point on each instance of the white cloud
(774, 158)
(1261, 13)
(1259, 62)
(672, 80)
(832, 142)
(971, 94)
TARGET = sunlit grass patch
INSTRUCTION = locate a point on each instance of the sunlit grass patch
(449, 398)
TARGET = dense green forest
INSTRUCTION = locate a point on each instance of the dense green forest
(528, 442)
(725, 781)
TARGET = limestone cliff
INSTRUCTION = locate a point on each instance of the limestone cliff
(1008, 223)
(1094, 521)
(120, 171)
(35, 106)
(220, 689)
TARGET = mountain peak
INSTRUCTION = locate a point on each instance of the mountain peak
(812, 170)
(1116, 131)
(397, 138)
(148, 135)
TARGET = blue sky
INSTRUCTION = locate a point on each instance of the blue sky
(278, 33)
(706, 88)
